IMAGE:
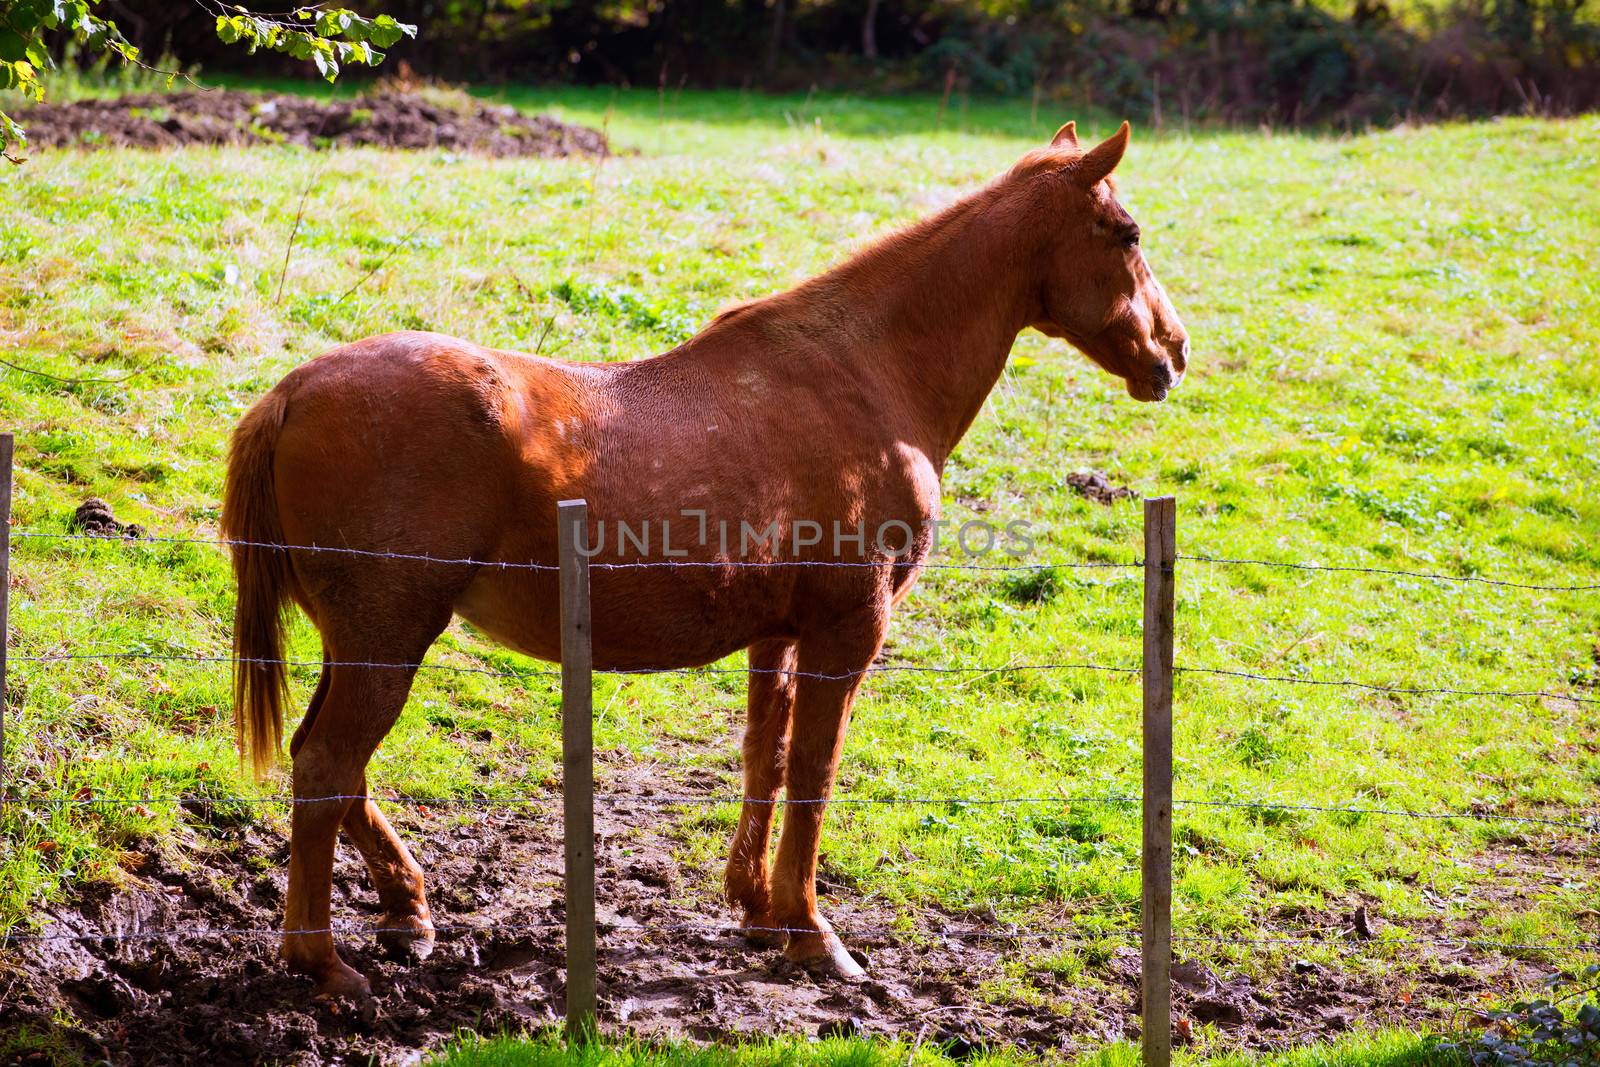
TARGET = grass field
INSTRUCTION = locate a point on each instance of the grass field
(1386, 1049)
(1396, 364)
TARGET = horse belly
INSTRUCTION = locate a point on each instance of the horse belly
(641, 618)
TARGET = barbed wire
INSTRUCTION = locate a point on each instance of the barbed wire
(1386, 688)
(1008, 933)
(1590, 822)
(617, 799)
(544, 672)
(164, 933)
(879, 668)
(1429, 576)
(1394, 942)
(507, 565)
(649, 564)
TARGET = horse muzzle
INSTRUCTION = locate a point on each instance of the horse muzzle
(1161, 380)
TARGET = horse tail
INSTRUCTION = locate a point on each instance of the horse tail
(265, 580)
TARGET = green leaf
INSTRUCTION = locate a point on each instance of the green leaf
(335, 22)
(298, 45)
(96, 32)
(13, 138)
(326, 64)
(228, 30)
(386, 31)
(12, 46)
(359, 29)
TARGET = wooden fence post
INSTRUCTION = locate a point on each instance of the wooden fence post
(6, 454)
(577, 763)
(1160, 556)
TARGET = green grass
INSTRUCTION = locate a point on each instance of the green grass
(1387, 1049)
(1395, 364)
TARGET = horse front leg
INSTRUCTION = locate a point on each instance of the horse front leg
(766, 736)
(831, 665)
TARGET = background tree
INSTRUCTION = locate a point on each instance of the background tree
(330, 38)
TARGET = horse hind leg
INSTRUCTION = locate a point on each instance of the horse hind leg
(406, 928)
(312, 708)
(358, 707)
(771, 704)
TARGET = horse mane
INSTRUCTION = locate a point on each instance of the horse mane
(1054, 159)
(884, 253)
(881, 254)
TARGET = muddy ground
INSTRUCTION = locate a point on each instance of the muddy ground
(451, 121)
(137, 1000)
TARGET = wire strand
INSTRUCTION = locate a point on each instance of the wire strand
(506, 565)
(1589, 822)
(536, 672)
(1385, 688)
(615, 799)
(1429, 576)
(881, 668)
(1010, 933)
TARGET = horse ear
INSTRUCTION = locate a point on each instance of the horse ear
(1067, 134)
(1103, 158)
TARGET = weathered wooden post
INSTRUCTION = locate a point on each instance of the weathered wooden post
(577, 766)
(1160, 556)
(6, 455)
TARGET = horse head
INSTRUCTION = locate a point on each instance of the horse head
(1098, 292)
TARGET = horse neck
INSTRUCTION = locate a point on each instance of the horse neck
(929, 316)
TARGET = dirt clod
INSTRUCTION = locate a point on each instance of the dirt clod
(960, 1044)
(94, 517)
(454, 121)
(1094, 485)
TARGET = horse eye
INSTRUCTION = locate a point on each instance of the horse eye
(1131, 239)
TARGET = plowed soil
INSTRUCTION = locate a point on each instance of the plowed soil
(142, 996)
(455, 122)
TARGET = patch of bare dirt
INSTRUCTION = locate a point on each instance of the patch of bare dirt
(1094, 485)
(387, 119)
(133, 998)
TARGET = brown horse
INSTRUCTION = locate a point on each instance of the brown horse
(838, 401)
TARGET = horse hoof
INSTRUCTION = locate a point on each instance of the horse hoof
(824, 955)
(762, 931)
(344, 983)
(406, 937)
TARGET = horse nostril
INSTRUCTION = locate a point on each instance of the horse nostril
(1182, 362)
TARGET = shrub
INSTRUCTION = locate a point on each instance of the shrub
(1562, 1030)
